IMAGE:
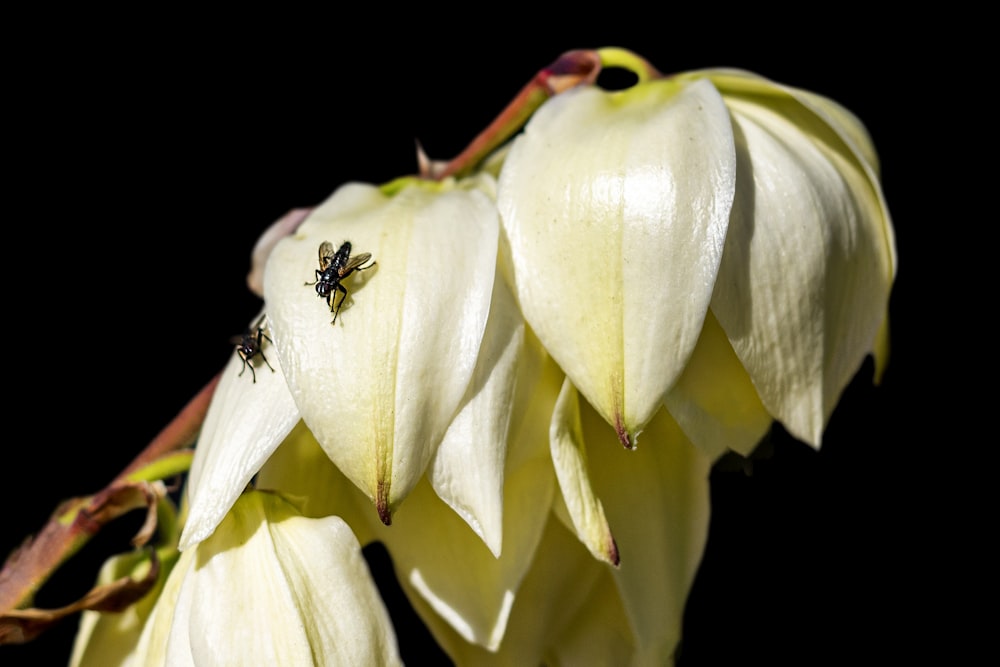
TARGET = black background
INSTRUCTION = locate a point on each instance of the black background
(144, 163)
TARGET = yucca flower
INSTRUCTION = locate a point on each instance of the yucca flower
(641, 220)
(355, 382)
(268, 586)
(692, 259)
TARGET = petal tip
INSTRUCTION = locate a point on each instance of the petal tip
(613, 556)
(627, 440)
(382, 503)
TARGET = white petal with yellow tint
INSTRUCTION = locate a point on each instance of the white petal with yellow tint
(714, 401)
(379, 388)
(245, 423)
(467, 471)
(600, 633)
(615, 206)
(843, 120)
(301, 471)
(271, 587)
(566, 612)
(657, 499)
(441, 560)
(278, 230)
(105, 639)
(442, 563)
(152, 647)
(805, 279)
(569, 457)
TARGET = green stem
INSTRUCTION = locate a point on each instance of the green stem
(616, 57)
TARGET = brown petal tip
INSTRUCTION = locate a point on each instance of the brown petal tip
(382, 503)
(627, 440)
(613, 556)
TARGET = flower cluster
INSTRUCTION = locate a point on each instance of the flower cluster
(518, 375)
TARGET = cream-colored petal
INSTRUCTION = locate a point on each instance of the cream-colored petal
(467, 470)
(443, 566)
(342, 610)
(300, 470)
(272, 587)
(466, 623)
(839, 222)
(278, 230)
(615, 206)
(844, 121)
(440, 560)
(714, 401)
(805, 279)
(569, 457)
(104, 639)
(379, 388)
(657, 500)
(738, 83)
(599, 634)
(834, 128)
(152, 648)
(566, 599)
(245, 423)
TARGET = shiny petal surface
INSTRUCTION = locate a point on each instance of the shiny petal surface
(599, 634)
(569, 457)
(301, 470)
(809, 260)
(657, 500)
(714, 401)
(566, 612)
(379, 388)
(245, 423)
(439, 559)
(615, 206)
(443, 566)
(467, 470)
(271, 587)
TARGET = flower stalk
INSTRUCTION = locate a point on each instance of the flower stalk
(571, 69)
(78, 520)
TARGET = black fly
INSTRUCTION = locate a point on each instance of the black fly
(334, 267)
(251, 345)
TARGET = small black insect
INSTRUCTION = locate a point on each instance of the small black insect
(334, 267)
(250, 345)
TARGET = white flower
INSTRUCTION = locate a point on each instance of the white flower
(379, 388)
(270, 587)
(632, 215)
(693, 258)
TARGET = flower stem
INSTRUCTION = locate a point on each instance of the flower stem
(625, 59)
(569, 70)
(76, 520)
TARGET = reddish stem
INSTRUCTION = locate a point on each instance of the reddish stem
(77, 520)
(571, 69)
(180, 432)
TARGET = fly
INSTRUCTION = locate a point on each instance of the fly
(250, 345)
(335, 266)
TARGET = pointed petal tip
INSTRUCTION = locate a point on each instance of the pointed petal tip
(613, 556)
(382, 504)
(627, 440)
(192, 535)
(384, 515)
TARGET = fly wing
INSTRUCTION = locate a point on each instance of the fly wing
(326, 253)
(354, 263)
